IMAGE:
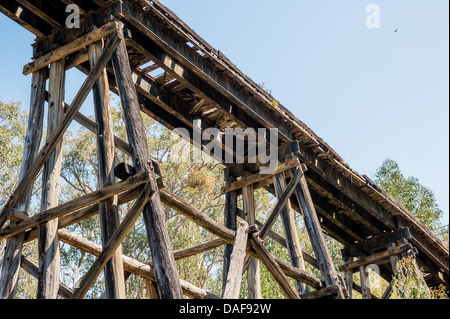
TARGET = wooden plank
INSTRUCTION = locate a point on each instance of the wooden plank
(114, 242)
(13, 249)
(58, 132)
(75, 204)
(273, 267)
(108, 209)
(48, 243)
(234, 278)
(131, 265)
(72, 47)
(154, 216)
(252, 179)
(376, 258)
(376, 243)
(253, 272)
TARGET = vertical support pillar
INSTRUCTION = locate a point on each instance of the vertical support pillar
(348, 278)
(315, 233)
(108, 209)
(13, 250)
(158, 236)
(253, 272)
(290, 230)
(48, 243)
(365, 282)
(230, 219)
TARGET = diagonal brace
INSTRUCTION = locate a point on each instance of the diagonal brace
(114, 242)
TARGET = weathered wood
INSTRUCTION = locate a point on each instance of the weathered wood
(234, 278)
(13, 250)
(58, 132)
(209, 224)
(388, 292)
(82, 214)
(154, 217)
(152, 290)
(76, 204)
(289, 224)
(253, 272)
(131, 265)
(72, 47)
(323, 293)
(198, 249)
(315, 233)
(230, 221)
(273, 267)
(376, 243)
(348, 279)
(48, 243)
(283, 193)
(249, 180)
(114, 241)
(365, 282)
(378, 258)
(108, 209)
(32, 269)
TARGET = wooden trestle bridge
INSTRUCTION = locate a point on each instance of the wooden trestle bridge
(117, 44)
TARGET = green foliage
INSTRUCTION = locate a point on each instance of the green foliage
(13, 124)
(408, 283)
(418, 199)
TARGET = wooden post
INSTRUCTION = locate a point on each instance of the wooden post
(290, 230)
(13, 250)
(48, 243)
(154, 217)
(234, 278)
(348, 278)
(230, 220)
(315, 233)
(253, 272)
(108, 209)
(365, 282)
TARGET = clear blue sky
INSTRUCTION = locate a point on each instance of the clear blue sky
(369, 93)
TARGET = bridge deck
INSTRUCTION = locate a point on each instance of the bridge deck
(179, 77)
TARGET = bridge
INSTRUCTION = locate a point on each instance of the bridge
(158, 65)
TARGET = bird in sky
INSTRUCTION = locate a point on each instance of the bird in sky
(396, 30)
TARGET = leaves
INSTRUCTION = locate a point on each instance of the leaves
(418, 199)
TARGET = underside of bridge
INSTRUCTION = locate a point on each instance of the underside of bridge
(158, 65)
